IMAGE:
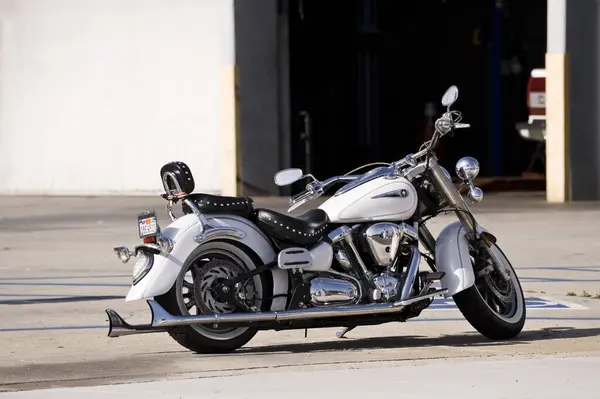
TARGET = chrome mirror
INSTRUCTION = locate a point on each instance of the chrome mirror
(450, 96)
(288, 176)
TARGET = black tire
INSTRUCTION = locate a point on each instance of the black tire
(479, 313)
(203, 338)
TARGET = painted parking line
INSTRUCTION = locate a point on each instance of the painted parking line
(533, 303)
(65, 277)
(31, 296)
(59, 280)
(65, 284)
(52, 328)
(82, 284)
(415, 320)
(32, 282)
(58, 299)
(557, 280)
(592, 269)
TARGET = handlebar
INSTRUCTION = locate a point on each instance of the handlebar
(315, 189)
(443, 126)
(300, 197)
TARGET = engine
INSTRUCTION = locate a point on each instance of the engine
(382, 240)
(321, 285)
(376, 254)
(325, 291)
(370, 262)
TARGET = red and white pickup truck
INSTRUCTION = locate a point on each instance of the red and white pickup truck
(535, 128)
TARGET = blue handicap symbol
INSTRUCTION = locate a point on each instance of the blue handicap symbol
(539, 303)
(530, 303)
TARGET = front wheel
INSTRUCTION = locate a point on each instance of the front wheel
(493, 306)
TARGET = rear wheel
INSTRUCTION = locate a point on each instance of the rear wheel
(193, 294)
(493, 306)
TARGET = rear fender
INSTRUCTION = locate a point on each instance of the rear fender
(182, 231)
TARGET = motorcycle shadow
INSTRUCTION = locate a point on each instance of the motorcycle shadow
(456, 340)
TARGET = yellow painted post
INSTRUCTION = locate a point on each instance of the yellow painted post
(557, 107)
(557, 143)
(230, 154)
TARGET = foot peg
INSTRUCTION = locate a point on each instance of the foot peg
(433, 276)
(342, 333)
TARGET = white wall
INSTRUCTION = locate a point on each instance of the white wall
(95, 95)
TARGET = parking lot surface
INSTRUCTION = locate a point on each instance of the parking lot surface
(58, 274)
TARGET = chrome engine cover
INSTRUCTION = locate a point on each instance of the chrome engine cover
(326, 291)
(388, 285)
(383, 241)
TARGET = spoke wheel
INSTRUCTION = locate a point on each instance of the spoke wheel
(194, 293)
(498, 294)
(198, 293)
(493, 306)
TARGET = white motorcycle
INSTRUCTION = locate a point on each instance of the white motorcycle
(225, 270)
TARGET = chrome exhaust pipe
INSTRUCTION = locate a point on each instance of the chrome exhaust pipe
(162, 319)
(117, 327)
(411, 274)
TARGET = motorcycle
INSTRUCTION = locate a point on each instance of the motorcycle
(224, 270)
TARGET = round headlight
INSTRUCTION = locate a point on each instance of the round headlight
(467, 168)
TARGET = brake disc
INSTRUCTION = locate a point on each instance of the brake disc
(505, 295)
(208, 277)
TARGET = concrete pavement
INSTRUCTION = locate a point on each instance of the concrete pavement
(548, 378)
(58, 274)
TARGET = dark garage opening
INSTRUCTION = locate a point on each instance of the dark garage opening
(367, 76)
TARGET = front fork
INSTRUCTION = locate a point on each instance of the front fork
(448, 190)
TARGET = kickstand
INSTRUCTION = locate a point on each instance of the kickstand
(305, 332)
(342, 333)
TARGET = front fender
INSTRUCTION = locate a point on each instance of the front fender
(182, 231)
(452, 257)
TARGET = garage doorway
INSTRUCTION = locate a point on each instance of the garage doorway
(366, 77)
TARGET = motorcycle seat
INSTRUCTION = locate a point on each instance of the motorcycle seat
(300, 230)
(211, 204)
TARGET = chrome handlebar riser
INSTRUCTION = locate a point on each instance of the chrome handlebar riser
(443, 125)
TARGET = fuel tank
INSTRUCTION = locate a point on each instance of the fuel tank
(376, 196)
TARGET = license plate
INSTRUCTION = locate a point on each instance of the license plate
(147, 224)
